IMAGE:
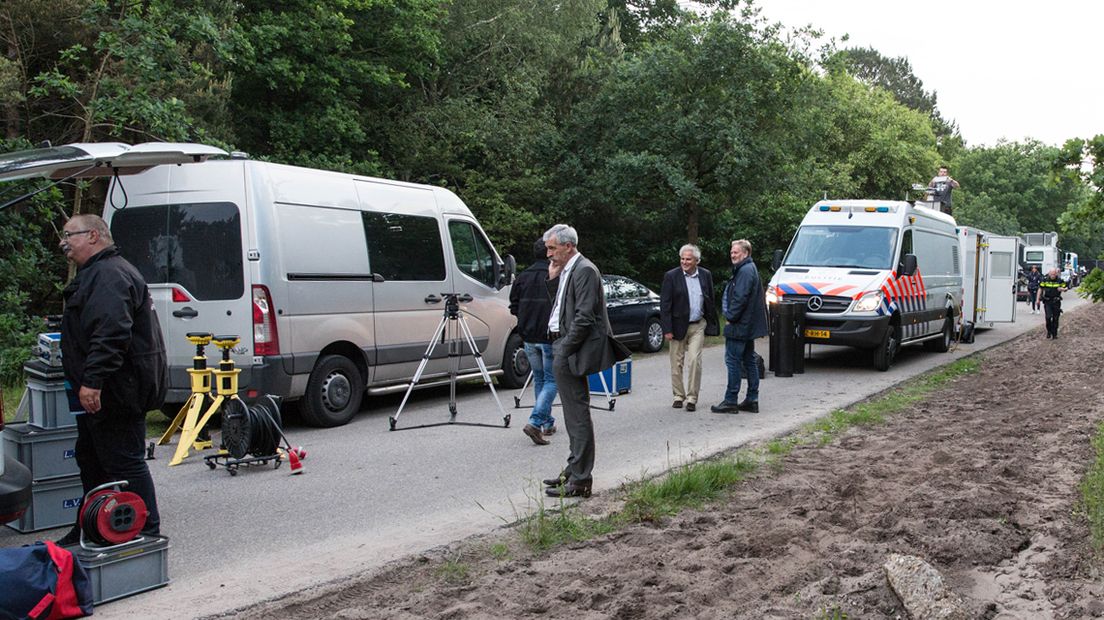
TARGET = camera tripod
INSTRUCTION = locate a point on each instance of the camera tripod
(453, 328)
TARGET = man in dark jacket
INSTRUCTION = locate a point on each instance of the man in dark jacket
(745, 310)
(531, 303)
(1050, 295)
(687, 315)
(114, 360)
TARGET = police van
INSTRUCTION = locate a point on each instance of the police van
(873, 274)
(334, 282)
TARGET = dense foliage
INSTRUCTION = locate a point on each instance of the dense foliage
(642, 124)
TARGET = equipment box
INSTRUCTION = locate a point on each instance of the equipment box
(54, 503)
(125, 569)
(48, 403)
(48, 453)
(618, 379)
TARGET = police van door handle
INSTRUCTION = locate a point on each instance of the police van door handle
(432, 299)
(186, 313)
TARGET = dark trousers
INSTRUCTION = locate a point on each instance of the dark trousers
(1033, 298)
(1053, 310)
(111, 447)
(575, 398)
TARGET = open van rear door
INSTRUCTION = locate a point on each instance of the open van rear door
(1000, 294)
(99, 159)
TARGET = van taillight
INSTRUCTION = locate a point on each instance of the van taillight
(265, 339)
(179, 296)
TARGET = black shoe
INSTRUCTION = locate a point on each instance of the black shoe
(70, 539)
(725, 407)
(557, 481)
(535, 434)
(677, 404)
(571, 489)
(751, 406)
(691, 407)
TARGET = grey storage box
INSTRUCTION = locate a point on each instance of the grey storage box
(48, 402)
(54, 503)
(125, 569)
(48, 453)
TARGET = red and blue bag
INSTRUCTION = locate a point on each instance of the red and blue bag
(43, 582)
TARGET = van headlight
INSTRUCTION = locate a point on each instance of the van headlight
(869, 302)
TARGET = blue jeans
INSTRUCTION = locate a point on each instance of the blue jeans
(740, 354)
(544, 384)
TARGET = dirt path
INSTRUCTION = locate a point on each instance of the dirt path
(980, 480)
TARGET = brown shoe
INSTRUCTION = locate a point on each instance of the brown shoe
(534, 433)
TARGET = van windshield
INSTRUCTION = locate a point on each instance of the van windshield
(843, 246)
(195, 246)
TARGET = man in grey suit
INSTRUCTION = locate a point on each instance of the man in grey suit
(582, 344)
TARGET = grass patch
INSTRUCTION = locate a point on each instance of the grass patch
(500, 551)
(690, 485)
(544, 528)
(453, 570)
(12, 394)
(1092, 490)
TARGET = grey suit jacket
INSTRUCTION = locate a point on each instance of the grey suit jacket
(587, 343)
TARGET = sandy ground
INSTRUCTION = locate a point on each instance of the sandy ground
(980, 480)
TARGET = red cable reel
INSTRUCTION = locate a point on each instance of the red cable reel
(113, 517)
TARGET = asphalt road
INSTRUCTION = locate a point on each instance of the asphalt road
(369, 496)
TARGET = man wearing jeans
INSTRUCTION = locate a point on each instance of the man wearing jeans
(745, 310)
(531, 302)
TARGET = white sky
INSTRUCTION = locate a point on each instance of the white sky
(1012, 69)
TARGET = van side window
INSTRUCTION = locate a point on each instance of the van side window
(473, 254)
(195, 246)
(935, 253)
(404, 247)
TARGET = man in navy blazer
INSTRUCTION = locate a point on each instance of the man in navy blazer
(687, 314)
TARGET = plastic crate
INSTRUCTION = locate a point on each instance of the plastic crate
(123, 570)
(48, 453)
(54, 503)
(618, 379)
(48, 401)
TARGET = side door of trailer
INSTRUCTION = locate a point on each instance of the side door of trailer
(1000, 294)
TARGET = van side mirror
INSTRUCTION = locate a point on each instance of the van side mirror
(504, 272)
(776, 260)
(907, 266)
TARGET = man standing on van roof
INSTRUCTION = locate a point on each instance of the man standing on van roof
(940, 188)
(1050, 293)
(745, 309)
(114, 359)
(582, 344)
(531, 303)
(687, 314)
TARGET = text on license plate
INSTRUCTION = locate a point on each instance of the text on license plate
(816, 333)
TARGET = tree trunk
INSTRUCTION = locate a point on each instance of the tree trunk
(693, 217)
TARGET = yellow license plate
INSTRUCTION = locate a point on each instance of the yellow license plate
(817, 333)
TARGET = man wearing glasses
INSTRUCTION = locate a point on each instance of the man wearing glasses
(114, 360)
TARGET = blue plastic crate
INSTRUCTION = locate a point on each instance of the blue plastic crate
(618, 379)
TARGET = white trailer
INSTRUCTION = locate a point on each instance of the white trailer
(1041, 250)
(988, 278)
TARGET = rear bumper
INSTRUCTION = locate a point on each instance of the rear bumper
(852, 331)
(268, 377)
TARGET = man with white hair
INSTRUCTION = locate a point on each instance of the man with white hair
(687, 314)
(582, 344)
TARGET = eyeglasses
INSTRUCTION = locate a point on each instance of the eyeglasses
(65, 234)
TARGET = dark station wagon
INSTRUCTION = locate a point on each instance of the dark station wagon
(633, 313)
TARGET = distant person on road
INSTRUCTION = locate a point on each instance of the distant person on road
(115, 363)
(940, 189)
(687, 314)
(1033, 278)
(1050, 294)
(745, 309)
(582, 344)
(531, 303)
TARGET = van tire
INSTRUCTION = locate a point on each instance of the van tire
(515, 366)
(887, 350)
(334, 392)
(943, 343)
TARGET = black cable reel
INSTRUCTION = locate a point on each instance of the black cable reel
(251, 430)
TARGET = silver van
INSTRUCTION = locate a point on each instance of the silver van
(334, 281)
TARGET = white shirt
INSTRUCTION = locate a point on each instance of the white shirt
(554, 320)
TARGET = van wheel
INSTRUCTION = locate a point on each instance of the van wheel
(515, 365)
(652, 336)
(943, 343)
(884, 354)
(334, 392)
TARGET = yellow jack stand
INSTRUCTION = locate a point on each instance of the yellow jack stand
(189, 420)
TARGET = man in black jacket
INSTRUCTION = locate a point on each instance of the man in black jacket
(687, 315)
(745, 310)
(114, 360)
(531, 303)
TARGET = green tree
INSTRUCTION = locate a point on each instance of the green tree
(1080, 161)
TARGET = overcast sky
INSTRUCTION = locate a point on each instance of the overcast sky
(1011, 69)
